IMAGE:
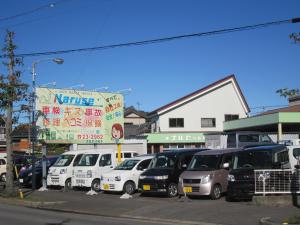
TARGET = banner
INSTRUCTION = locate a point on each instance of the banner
(81, 117)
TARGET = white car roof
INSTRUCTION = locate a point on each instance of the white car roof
(142, 157)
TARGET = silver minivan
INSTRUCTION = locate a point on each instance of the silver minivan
(207, 173)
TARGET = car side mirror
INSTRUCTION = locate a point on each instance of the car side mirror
(297, 167)
(226, 166)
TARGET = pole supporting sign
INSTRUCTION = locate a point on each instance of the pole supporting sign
(80, 117)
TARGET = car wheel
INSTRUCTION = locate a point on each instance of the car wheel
(129, 187)
(172, 190)
(3, 177)
(216, 192)
(96, 185)
(68, 185)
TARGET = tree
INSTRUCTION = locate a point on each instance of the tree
(12, 91)
(285, 92)
(295, 37)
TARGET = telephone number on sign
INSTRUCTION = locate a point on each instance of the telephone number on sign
(90, 136)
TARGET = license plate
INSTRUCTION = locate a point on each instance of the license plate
(80, 181)
(146, 187)
(21, 180)
(187, 189)
(105, 186)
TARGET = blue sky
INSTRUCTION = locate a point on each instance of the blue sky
(263, 60)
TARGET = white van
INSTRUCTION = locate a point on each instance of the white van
(125, 177)
(294, 157)
(3, 169)
(60, 173)
(90, 167)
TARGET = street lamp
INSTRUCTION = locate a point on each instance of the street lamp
(33, 122)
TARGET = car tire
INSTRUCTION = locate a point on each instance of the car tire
(172, 190)
(96, 185)
(68, 185)
(216, 192)
(3, 177)
(129, 188)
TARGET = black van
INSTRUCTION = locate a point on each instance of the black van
(164, 171)
(241, 181)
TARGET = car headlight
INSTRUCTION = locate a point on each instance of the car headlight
(164, 177)
(63, 171)
(117, 178)
(205, 179)
(30, 174)
(89, 174)
(143, 177)
(231, 178)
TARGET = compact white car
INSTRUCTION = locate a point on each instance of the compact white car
(124, 178)
(60, 173)
(3, 169)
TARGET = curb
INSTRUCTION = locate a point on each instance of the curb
(29, 203)
(125, 216)
(277, 201)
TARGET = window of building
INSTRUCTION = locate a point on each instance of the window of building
(229, 117)
(188, 146)
(231, 141)
(166, 146)
(208, 122)
(248, 138)
(173, 146)
(176, 122)
(180, 145)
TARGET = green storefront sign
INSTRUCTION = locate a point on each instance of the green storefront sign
(175, 138)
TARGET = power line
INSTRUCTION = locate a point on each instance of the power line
(50, 5)
(159, 40)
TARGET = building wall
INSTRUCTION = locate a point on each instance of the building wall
(137, 145)
(215, 104)
(134, 119)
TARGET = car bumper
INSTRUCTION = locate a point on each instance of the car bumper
(194, 189)
(240, 191)
(150, 186)
(56, 180)
(25, 181)
(81, 182)
(111, 186)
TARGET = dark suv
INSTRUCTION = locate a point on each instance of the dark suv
(164, 171)
(241, 181)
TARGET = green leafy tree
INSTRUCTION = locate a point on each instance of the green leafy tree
(295, 37)
(285, 92)
(12, 92)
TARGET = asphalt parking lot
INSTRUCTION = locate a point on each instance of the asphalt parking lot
(159, 207)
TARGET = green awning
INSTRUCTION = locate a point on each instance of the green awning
(175, 138)
(262, 120)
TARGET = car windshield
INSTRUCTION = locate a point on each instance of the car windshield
(64, 160)
(204, 163)
(88, 160)
(163, 161)
(127, 164)
(253, 160)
